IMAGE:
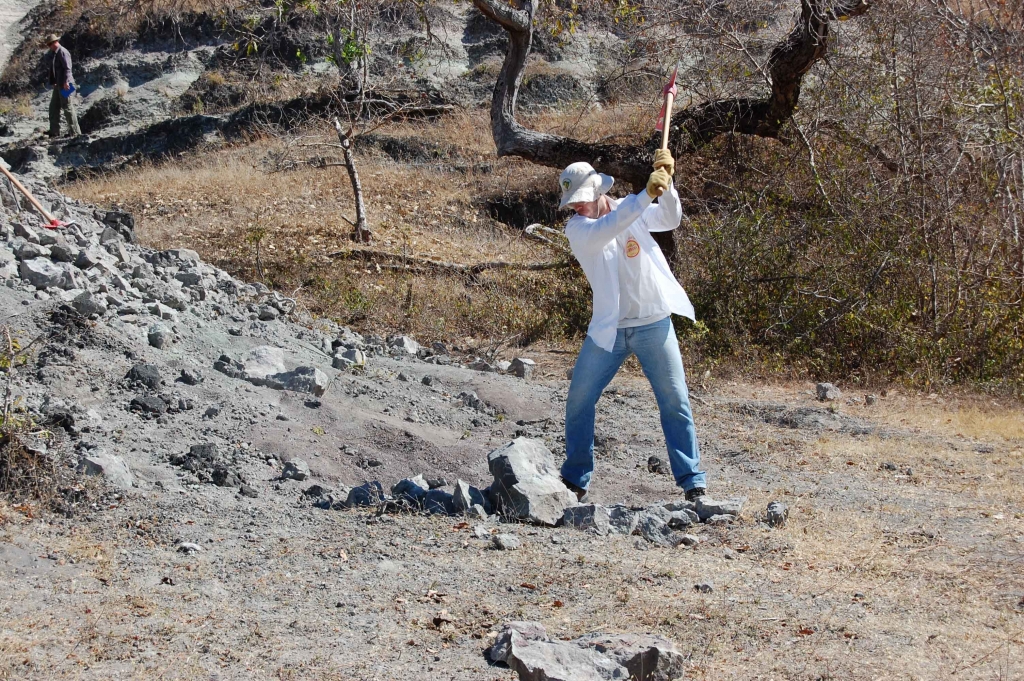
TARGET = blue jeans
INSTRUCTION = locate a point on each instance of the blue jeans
(656, 347)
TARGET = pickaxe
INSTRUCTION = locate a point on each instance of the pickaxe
(665, 117)
(52, 222)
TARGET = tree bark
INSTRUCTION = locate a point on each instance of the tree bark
(360, 232)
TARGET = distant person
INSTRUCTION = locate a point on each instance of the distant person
(634, 294)
(63, 87)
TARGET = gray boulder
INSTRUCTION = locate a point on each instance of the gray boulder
(113, 469)
(706, 507)
(526, 483)
(296, 469)
(44, 274)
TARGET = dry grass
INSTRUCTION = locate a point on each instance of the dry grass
(223, 204)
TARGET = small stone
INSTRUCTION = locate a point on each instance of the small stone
(427, 380)
(589, 517)
(189, 278)
(28, 250)
(192, 376)
(870, 400)
(411, 489)
(89, 304)
(729, 554)
(63, 253)
(656, 465)
(25, 232)
(109, 234)
(506, 542)
(776, 514)
(268, 313)
(403, 377)
(403, 344)
(438, 501)
(704, 587)
(158, 335)
(481, 532)
(111, 467)
(211, 412)
(522, 367)
(282, 417)
(435, 483)
(721, 519)
(296, 469)
(689, 540)
(316, 491)
(189, 547)
(827, 392)
(247, 491)
(706, 507)
(367, 494)
(146, 374)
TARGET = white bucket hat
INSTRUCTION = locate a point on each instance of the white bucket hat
(580, 183)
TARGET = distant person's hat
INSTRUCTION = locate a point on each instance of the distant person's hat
(51, 39)
(580, 183)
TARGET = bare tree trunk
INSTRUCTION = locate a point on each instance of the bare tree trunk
(360, 232)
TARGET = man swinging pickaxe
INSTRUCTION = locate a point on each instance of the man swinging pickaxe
(634, 294)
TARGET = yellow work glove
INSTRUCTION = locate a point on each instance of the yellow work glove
(658, 183)
(663, 159)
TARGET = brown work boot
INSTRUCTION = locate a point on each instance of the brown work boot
(581, 494)
(692, 494)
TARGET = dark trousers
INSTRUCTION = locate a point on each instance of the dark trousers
(67, 105)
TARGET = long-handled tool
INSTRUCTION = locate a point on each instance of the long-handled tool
(51, 222)
(665, 117)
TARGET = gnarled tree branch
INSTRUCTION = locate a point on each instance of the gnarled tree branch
(691, 128)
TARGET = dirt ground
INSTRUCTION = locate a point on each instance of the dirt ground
(902, 557)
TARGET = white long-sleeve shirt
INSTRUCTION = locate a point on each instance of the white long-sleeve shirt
(603, 244)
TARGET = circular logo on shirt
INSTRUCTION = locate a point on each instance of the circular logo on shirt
(632, 248)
